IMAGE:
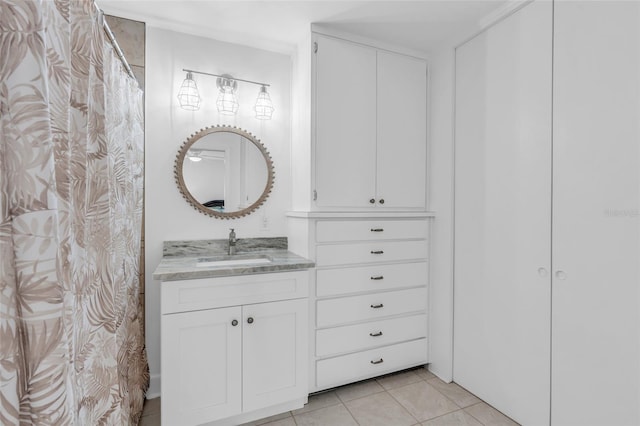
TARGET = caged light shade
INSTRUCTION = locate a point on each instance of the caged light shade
(227, 100)
(188, 95)
(264, 107)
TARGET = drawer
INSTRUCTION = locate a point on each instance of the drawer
(206, 293)
(370, 252)
(350, 338)
(330, 282)
(374, 362)
(367, 230)
(344, 310)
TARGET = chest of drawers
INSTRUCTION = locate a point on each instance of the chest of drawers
(368, 301)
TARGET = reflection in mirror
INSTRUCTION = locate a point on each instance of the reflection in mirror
(224, 172)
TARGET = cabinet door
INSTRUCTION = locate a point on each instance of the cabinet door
(345, 124)
(402, 131)
(275, 353)
(201, 366)
(502, 214)
(596, 221)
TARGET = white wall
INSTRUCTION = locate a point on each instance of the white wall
(167, 214)
(441, 89)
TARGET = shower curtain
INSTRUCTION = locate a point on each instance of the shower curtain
(71, 180)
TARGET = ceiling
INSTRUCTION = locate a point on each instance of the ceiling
(419, 25)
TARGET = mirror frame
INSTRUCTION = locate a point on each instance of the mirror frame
(195, 203)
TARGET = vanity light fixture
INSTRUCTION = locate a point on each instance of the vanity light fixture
(263, 107)
(227, 101)
(188, 95)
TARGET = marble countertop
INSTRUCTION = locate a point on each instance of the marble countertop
(183, 264)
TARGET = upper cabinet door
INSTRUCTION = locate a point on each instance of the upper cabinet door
(402, 131)
(596, 221)
(345, 124)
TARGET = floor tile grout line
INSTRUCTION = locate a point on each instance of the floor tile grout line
(402, 405)
(360, 397)
(351, 414)
(471, 414)
(480, 401)
(316, 409)
(461, 409)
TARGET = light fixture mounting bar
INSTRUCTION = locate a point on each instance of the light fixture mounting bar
(226, 76)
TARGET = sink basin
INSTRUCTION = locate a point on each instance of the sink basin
(221, 263)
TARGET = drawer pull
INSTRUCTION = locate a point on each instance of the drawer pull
(379, 305)
(379, 333)
(377, 230)
(377, 252)
(380, 361)
(379, 277)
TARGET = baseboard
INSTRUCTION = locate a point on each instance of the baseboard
(154, 387)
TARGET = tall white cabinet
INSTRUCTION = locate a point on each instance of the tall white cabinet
(547, 234)
(366, 226)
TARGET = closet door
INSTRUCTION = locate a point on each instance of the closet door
(596, 221)
(503, 214)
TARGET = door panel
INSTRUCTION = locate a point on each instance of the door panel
(596, 231)
(275, 352)
(503, 214)
(204, 384)
(402, 131)
(345, 123)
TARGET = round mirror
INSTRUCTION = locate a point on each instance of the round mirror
(224, 172)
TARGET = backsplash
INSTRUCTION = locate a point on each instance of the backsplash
(220, 246)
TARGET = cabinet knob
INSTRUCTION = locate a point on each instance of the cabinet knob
(234, 322)
(250, 320)
(372, 201)
(378, 306)
(381, 201)
(543, 272)
(377, 229)
(377, 252)
(379, 277)
(561, 275)
(380, 361)
(379, 333)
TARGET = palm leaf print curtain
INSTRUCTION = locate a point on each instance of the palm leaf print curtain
(71, 178)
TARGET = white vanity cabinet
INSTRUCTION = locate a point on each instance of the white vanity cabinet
(370, 127)
(369, 298)
(234, 349)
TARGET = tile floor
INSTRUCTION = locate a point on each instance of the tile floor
(409, 398)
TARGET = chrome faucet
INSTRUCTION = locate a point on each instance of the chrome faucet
(232, 242)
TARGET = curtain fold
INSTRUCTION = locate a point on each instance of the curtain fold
(71, 180)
